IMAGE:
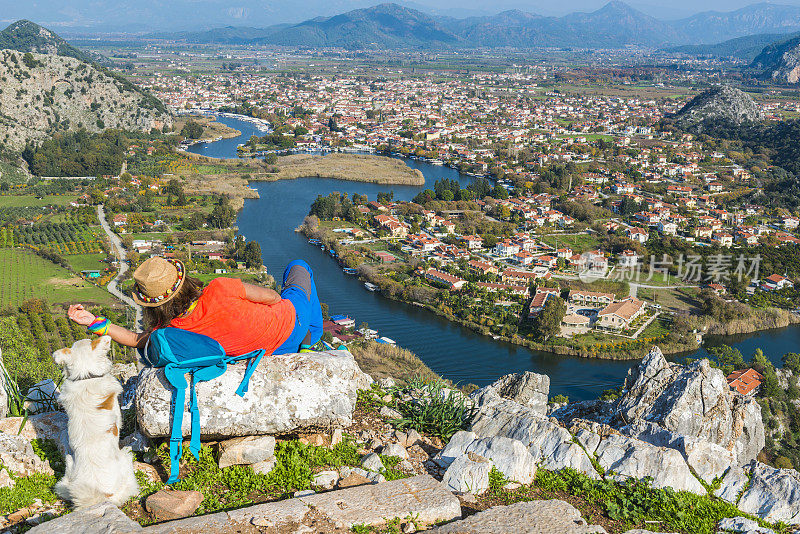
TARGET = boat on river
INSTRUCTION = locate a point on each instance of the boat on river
(370, 287)
(349, 270)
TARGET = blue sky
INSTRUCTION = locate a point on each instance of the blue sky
(150, 15)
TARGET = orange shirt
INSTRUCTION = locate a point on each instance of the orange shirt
(239, 325)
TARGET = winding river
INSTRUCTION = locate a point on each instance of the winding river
(449, 349)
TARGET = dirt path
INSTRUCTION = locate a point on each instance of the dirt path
(119, 251)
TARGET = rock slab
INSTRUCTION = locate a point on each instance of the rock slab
(246, 450)
(691, 400)
(773, 494)
(536, 517)
(286, 392)
(167, 505)
(102, 518)
(421, 497)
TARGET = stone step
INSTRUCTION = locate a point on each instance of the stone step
(421, 497)
(535, 517)
(103, 518)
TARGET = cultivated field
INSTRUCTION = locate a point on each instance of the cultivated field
(24, 275)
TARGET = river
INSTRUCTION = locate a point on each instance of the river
(449, 349)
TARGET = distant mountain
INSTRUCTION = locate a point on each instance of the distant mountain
(714, 26)
(381, 26)
(746, 48)
(27, 36)
(226, 35)
(614, 25)
(779, 61)
(721, 104)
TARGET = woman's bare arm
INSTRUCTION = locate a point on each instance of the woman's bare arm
(77, 313)
(260, 294)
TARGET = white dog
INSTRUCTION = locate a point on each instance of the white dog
(96, 469)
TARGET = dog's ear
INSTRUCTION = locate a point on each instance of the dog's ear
(62, 356)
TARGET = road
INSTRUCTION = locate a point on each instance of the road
(116, 242)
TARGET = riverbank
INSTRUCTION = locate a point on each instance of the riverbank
(232, 177)
(351, 167)
(212, 129)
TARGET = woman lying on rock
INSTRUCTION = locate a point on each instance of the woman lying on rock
(241, 317)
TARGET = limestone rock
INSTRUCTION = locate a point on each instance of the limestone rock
(371, 476)
(49, 425)
(719, 103)
(102, 518)
(536, 517)
(742, 525)
(149, 471)
(774, 494)
(732, 485)
(246, 450)
(325, 479)
(707, 459)
(372, 462)
(395, 449)
(16, 454)
(5, 480)
(352, 480)
(468, 473)
(167, 505)
(42, 397)
(633, 458)
(287, 392)
(389, 413)
(509, 456)
(528, 389)
(264, 467)
(692, 400)
(547, 442)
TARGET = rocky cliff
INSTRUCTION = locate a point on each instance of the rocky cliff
(42, 94)
(721, 103)
(779, 62)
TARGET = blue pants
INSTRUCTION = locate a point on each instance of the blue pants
(299, 288)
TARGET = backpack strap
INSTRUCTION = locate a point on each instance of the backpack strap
(175, 376)
(253, 359)
(202, 370)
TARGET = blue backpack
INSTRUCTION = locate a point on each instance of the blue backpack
(180, 352)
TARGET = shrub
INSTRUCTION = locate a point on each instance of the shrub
(438, 411)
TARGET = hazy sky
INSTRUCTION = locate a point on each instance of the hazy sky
(144, 15)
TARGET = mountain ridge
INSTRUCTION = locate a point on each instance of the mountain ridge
(614, 25)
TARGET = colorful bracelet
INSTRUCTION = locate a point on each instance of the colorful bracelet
(99, 326)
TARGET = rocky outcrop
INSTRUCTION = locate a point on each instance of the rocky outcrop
(286, 393)
(58, 93)
(528, 389)
(691, 400)
(509, 456)
(632, 458)
(548, 442)
(773, 494)
(721, 103)
(17, 455)
(779, 62)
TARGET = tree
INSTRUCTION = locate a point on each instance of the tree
(222, 215)
(729, 359)
(548, 323)
(252, 255)
(499, 192)
(192, 130)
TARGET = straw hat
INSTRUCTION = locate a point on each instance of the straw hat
(157, 281)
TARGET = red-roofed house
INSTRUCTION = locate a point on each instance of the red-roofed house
(745, 382)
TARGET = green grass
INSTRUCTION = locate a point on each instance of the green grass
(578, 243)
(83, 262)
(20, 201)
(24, 276)
(12, 175)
